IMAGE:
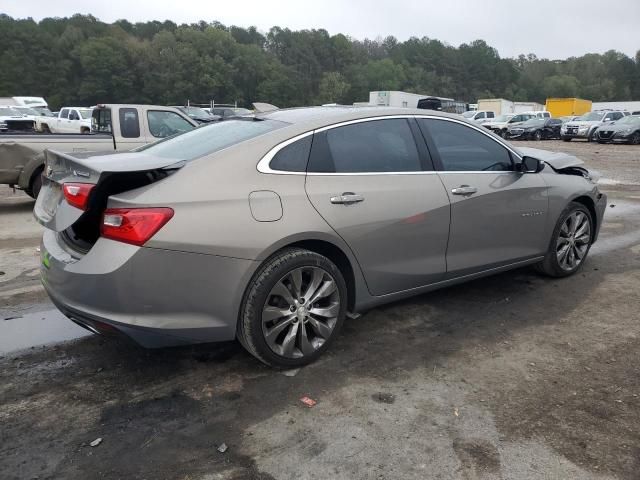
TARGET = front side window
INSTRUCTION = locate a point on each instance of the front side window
(129, 124)
(366, 147)
(464, 149)
(164, 124)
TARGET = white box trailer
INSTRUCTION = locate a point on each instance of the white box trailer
(521, 107)
(499, 106)
(391, 98)
(623, 106)
(24, 101)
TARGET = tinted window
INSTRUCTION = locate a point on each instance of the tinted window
(490, 115)
(375, 146)
(129, 124)
(165, 124)
(480, 115)
(64, 113)
(463, 148)
(74, 115)
(101, 120)
(209, 138)
(293, 157)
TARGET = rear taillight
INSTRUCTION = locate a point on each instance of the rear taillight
(133, 225)
(77, 194)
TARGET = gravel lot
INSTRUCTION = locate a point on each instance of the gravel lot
(515, 376)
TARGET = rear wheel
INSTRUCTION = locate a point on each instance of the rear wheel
(504, 134)
(35, 184)
(537, 135)
(635, 139)
(570, 242)
(293, 309)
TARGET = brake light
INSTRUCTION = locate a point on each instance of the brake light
(134, 225)
(77, 194)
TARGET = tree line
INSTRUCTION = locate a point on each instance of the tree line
(83, 61)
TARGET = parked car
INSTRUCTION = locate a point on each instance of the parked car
(227, 112)
(37, 114)
(500, 125)
(479, 116)
(198, 114)
(585, 126)
(12, 120)
(69, 120)
(538, 113)
(626, 130)
(270, 229)
(569, 118)
(114, 127)
(536, 129)
(635, 113)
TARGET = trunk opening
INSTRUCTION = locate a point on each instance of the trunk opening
(84, 232)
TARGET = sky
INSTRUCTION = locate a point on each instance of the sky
(554, 29)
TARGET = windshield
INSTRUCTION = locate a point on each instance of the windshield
(534, 122)
(196, 112)
(44, 111)
(26, 110)
(503, 118)
(85, 112)
(8, 112)
(590, 117)
(469, 114)
(241, 111)
(210, 138)
(629, 120)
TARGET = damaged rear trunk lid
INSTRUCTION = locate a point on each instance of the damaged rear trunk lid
(109, 174)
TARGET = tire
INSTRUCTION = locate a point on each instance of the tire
(45, 128)
(85, 131)
(554, 264)
(590, 136)
(294, 323)
(635, 139)
(35, 185)
(504, 134)
(537, 136)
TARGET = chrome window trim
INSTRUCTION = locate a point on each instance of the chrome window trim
(264, 163)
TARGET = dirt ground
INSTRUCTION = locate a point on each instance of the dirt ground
(515, 376)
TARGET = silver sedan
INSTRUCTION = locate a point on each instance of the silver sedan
(273, 228)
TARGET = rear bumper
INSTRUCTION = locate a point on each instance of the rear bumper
(156, 297)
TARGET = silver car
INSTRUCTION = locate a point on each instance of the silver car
(272, 229)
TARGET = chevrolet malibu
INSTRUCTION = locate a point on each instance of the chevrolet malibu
(272, 229)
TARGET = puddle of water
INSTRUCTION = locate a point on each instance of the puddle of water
(31, 329)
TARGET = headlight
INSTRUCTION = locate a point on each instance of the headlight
(626, 131)
(3, 125)
(583, 129)
(563, 128)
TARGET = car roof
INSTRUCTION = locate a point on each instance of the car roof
(316, 117)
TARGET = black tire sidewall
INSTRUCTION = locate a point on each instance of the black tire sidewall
(550, 264)
(250, 323)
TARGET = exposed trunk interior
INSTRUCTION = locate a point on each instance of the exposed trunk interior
(84, 233)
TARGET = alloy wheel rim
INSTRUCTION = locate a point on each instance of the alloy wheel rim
(301, 312)
(573, 240)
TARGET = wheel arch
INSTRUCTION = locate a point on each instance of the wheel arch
(33, 166)
(591, 206)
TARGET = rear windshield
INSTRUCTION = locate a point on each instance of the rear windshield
(210, 138)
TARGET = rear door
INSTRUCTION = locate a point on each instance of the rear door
(498, 215)
(377, 189)
(62, 122)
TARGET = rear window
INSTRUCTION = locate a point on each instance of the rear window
(210, 138)
(101, 120)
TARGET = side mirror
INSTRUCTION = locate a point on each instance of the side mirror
(530, 165)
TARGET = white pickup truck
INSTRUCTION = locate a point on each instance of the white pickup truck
(113, 127)
(69, 120)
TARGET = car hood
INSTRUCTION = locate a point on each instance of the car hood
(557, 160)
(616, 127)
(583, 123)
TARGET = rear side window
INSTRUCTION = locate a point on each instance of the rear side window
(210, 138)
(490, 115)
(64, 113)
(164, 124)
(464, 149)
(293, 157)
(129, 124)
(366, 147)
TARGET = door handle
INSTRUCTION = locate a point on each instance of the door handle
(464, 190)
(347, 198)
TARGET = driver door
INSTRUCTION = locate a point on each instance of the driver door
(498, 215)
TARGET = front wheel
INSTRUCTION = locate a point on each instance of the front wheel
(293, 308)
(570, 242)
(537, 135)
(635, 139)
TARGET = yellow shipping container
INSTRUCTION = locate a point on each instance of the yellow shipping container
(563, 107)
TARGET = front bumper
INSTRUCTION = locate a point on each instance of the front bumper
(613, 137)
(156, 297)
